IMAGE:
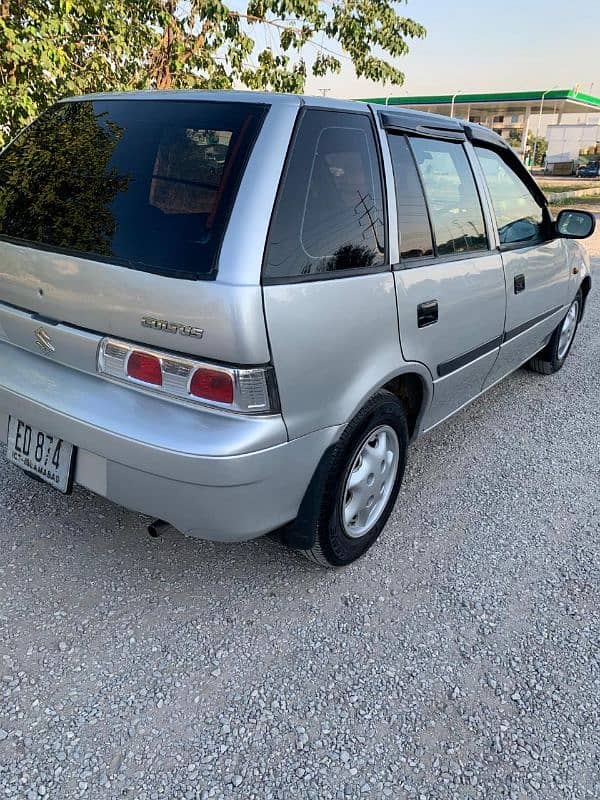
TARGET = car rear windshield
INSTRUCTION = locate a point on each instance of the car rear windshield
(148, 184)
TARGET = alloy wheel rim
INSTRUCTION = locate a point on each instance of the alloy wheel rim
(370, 480)
(567, 332)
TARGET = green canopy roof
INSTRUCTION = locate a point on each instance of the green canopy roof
(566, 101)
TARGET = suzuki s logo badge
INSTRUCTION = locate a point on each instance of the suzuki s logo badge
(43, 341)
(172, 327)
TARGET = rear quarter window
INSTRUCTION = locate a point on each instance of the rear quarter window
(329, 212)
(144, 183)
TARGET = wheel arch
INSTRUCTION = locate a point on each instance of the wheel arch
(585, 288)
(413, 386)
(415, 390)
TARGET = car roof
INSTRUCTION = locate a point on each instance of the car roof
(297, 100)
(268, 98)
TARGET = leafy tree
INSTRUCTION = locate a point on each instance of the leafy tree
(541, 148)
(53, 48)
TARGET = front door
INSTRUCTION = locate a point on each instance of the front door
(535, 263)
(449, 283)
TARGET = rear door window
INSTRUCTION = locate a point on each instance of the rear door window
(329, 212)
(144, 183)
(452, 197)
(413, 220)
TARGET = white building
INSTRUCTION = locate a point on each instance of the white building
(568, 143)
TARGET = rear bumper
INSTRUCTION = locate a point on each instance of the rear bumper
(210, 474)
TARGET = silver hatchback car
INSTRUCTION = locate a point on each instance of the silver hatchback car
(233, 311)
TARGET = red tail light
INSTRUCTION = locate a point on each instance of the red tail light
(144, 367)
(246, 390)
(211, 384)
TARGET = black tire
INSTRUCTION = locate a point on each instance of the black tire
(319, 532)
(548, 361)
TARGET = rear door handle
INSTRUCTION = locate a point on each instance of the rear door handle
(519, 284)
(427, 313)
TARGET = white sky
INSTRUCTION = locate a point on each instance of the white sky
(479, 45)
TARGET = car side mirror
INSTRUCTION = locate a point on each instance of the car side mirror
(575, 224)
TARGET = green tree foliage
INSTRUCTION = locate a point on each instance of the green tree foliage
(53, 48)
(541, 148)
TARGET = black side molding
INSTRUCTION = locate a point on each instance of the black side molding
(529, 324)
(472, 355)
(461, 361)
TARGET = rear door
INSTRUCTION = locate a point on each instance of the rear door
(449, 280)
(535, 262)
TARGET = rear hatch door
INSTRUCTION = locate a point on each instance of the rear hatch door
(112, 215)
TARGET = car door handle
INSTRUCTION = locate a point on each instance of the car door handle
(519, 284)
(427, 313)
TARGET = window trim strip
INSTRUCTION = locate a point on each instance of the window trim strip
(327, 276)
(429, 261)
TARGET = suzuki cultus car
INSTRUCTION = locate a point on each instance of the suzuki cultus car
(234, 311)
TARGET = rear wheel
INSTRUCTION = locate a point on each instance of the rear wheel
(361, 485)
(554, 355)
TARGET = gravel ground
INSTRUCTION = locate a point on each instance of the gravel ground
(459, 659)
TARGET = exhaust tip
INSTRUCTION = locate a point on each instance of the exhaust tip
(157, 528)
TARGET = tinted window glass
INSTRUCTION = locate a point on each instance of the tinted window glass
(413, 221)
(451, 195)
(329, 213)
(518, 215)
(145, 183)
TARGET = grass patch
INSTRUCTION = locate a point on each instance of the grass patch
(576, 202)
(568, 186)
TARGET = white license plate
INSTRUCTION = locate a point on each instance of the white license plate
(47, 457)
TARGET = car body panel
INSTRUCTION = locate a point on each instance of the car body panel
(333, 342)
(112, 300)
(210, 473)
